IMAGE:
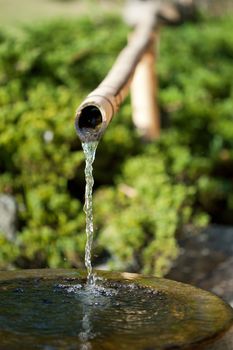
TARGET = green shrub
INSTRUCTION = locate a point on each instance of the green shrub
(141, 216)
(44, 74)
(196, 96)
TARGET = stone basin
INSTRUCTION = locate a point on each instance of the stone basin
(55, 310)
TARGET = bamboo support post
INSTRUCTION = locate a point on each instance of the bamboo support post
(143, 95)
(97, 110)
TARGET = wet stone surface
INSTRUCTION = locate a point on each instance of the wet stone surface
(8, 216)
(206, 261)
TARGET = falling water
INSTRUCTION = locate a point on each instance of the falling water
(89, 149)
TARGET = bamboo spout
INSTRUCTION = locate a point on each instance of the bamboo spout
(98, 109)
(93, 116)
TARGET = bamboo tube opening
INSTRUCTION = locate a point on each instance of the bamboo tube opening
(90, 121)
(93, 116)
(90, 118)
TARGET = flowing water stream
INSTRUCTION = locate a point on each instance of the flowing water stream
(89, 149)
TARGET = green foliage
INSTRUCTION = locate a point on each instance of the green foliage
(196, 96)
(140, 218)
(145, 194)
(8, 252)
(146, 211)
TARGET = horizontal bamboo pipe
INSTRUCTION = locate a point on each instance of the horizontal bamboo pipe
(97, 110)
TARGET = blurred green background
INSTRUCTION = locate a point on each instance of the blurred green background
(15, 12)
(146, 195)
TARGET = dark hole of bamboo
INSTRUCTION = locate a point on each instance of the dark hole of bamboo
(90, 118)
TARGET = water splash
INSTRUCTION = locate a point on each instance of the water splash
(89, 149)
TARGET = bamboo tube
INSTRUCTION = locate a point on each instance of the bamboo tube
(97, 110)
(143, 92)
